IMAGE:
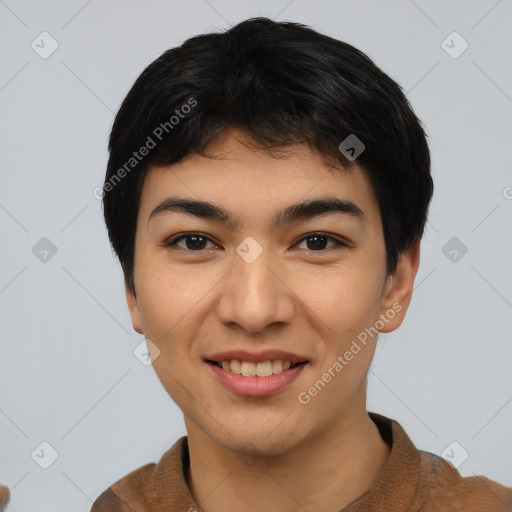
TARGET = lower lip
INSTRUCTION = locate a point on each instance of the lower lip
(257, 386)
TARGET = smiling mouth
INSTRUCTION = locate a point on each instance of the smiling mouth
(250, 369)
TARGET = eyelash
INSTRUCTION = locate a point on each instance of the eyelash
(172, 241)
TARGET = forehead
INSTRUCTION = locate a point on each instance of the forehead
(253, 182)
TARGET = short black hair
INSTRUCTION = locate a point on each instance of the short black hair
(282, 83)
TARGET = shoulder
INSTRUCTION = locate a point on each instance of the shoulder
(445, 489)
(420, 481)
(151, 487)
(132, 493)
(108, 501)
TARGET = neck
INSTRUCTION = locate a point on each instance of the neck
(326, 472)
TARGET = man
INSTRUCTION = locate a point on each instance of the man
(266, 193)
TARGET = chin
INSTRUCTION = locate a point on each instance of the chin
(255, 440)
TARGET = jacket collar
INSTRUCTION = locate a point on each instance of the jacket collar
(395, 487)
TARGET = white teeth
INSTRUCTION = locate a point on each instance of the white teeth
(249, 369)
(277, 366)
(236, 366)
(264, 369)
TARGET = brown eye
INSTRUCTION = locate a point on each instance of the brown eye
(191, 242)
(319, 241)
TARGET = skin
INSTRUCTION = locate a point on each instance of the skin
(272, 452)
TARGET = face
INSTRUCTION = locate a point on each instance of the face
(250, 281)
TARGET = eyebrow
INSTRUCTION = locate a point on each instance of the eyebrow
(300, 211)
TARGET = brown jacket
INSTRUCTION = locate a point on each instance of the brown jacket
(410, 481)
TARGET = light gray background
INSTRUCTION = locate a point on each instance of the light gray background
(68, 375)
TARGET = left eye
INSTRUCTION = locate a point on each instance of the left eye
(195, 242)
(319, 241)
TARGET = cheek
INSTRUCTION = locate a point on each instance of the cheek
(172, 305)
(167, 296)
(344, 300)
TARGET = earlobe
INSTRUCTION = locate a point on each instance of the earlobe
(399, 287)
(133, 308)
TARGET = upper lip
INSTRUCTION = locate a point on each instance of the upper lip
(257, 357)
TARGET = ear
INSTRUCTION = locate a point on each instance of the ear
(133, 307)
(398, 288)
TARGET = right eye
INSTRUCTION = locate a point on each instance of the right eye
(192, 242)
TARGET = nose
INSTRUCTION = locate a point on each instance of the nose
(255, 295)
